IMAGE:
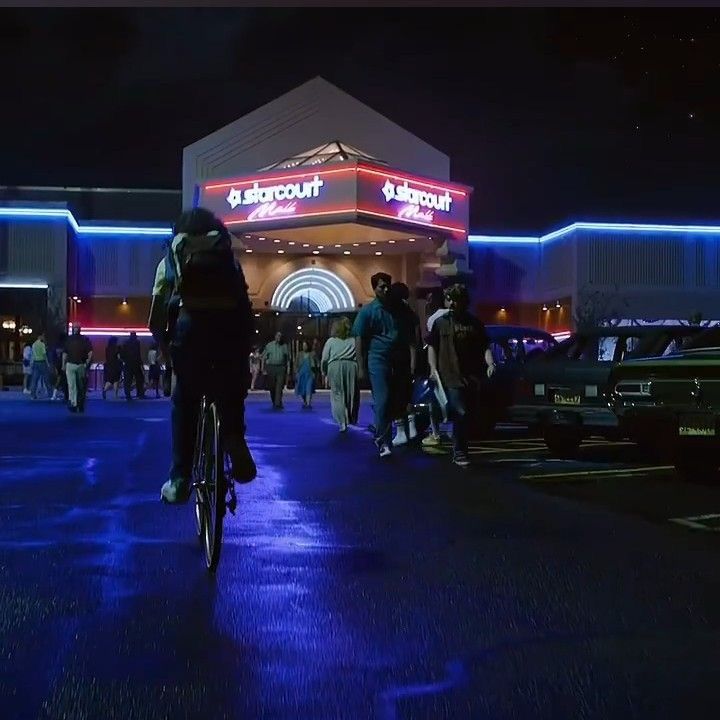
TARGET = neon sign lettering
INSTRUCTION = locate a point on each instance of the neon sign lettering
(274, 194)
(271, 210)
(418, 198)
(413, 212)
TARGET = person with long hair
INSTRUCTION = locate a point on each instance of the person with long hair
(305, 376)
(199, 295)
(339, 365)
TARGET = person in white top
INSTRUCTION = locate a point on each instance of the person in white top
(339, 365)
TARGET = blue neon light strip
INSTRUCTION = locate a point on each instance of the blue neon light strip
(34, 213)
(617, 227)
(31, 213)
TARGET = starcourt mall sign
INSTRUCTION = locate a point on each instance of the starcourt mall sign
(343, 192)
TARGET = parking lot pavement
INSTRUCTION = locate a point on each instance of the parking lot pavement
(347, 588)
(615, 475)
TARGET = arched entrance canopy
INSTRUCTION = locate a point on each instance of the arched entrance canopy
(325, 289)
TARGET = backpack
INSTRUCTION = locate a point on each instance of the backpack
(206, 276)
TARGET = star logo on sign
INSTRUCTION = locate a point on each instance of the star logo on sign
(234, 198)
(388, 191)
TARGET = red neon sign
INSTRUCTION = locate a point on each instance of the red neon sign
(280, 200)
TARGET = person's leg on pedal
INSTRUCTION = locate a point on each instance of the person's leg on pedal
(186, 397)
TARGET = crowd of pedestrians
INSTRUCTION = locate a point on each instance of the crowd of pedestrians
(384, 346)
(62, 372)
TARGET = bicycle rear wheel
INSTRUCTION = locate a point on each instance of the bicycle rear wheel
(213, 488)
(198, 472)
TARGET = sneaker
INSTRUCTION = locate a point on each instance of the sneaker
(461, 459)
(412, 429)
(343, 428)
(385, 450)
(244, 469)
(175, 491)
(26, 392)
(401, 437)
(431, 440)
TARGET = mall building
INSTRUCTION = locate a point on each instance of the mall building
(321, 192)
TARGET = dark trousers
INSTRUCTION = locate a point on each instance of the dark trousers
(202, 365)
(460, 408)
(276, 377)
(134, 372)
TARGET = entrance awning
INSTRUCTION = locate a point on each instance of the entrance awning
(355, 200)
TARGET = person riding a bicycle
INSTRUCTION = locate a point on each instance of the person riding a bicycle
(202, 314)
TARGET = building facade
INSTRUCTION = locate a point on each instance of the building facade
(321, 192)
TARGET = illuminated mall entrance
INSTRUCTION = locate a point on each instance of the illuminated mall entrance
(312, 230)
(304, 306)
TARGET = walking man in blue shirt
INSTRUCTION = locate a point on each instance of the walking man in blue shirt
(383, 344)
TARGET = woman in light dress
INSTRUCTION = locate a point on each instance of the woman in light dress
(339, 365)
(305, 377)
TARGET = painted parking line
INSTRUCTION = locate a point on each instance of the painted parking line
(709, 522)
(579, 474)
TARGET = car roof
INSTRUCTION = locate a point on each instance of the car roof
(508, 331)
(635, 330)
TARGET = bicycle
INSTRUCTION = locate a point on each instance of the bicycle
(212, 481)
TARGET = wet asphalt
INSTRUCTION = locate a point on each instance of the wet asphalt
(348, 587)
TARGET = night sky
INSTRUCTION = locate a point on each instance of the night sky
(552, 115)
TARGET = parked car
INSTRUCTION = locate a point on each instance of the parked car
(672, 403)
(512, 346)
(565, 393)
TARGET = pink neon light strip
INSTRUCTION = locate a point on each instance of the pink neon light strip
(345, 211)
(411, 179)
(414, 222)
(109, 329)
(249, 181)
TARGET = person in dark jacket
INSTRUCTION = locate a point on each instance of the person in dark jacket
(188, 333)
(132, 359)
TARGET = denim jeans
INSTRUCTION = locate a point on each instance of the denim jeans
(391, 390)
(209, 354)
(40, 373)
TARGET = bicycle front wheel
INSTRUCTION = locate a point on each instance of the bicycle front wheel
(213, 488)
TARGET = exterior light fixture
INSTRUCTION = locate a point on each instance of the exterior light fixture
(346, 252)
(502, 309)
(124, 301)
(338, 246)
(315, 252)
(544, 307)
(372, 242)
(8, 325)
(261, 238)
(320, 247)
(299, 327)
(557, 304)
(257, 314)
(276, 240)
(292, 242)
(306, 244)
(411, 239)
(356, 244)
(281, 252)
(25, 330)
(248, 250)
(392, 242)
(377, 252)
